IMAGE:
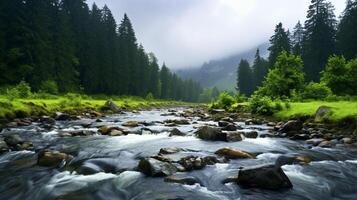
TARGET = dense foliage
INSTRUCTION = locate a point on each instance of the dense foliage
(62, 46)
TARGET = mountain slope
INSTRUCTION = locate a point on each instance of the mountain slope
(221, 73)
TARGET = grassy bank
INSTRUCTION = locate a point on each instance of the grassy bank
(339, 110)
(73, 104)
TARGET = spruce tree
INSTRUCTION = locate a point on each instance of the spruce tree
(297, 39)
(347, 31)
(244, 78)
(260, 69)
(278, 42)
(319, 38)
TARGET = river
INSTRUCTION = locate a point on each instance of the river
(332, 174)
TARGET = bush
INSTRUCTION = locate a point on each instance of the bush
(149, 96)
(24, 90)
(12, 93)
(223, 101)
(240, 97)
(49, 87)
(262, 105)
(317, 91)
(71, 100)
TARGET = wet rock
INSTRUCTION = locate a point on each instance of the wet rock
(211, 133)
(292, 125)
(300, 137)
(217, 111)
(326, 144)
(233, 153)
(77, 133)
(47, 120)
(211, 160)
(186, 180)
(314, 141)
(230, 127)
(272, 124)
(111, 106)
(48, 158)
(234, 136)
(62, 116)
(269, 177)
(156, 168)
(253, 121)
(192, 163)
(346, 140)
(13, 140)
(321, 112)
(95, 114)
(177, 121)
(116, 133)
(223, 123)
(131, 123)
(176, 132)
(231, 179)
(11, 125)
(3, 146)
(290, 160)
(105, 130)
(169, 150)
(251, 134)
(93, 166)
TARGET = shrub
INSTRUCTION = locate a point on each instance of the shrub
(71, 100)
(149, 96)
(223, 101)
(49, 87)
(316, 91)
(240, 97)
(12, 93)
(24, 89)
(262, 105)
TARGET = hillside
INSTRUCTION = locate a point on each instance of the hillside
(222, 72)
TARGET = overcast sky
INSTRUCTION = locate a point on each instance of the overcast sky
(187, 33)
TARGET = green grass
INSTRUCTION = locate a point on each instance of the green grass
(339, 110)
(26, 107)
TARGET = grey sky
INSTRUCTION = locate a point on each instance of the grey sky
(189, 32)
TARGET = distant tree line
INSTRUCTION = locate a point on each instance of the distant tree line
(65, 43)
(322, 48)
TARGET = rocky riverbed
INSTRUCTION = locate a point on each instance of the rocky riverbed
(180, 153)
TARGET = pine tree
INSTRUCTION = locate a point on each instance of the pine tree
(244, 78)
(319, 38)
(278, 42)
(347, 31)
(297, 39)
(165, 82)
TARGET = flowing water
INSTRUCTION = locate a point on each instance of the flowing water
(332, 174)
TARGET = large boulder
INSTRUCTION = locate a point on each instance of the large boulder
(269, 177)
(251, 134)
(211, 133)
(3, 146)
(234, 136)
(233, 153)
(176, 132)
(52, 158)
(321, 112)
(13, 140)
(156, 168)
(106, 129)
(111, 106)
(291, 126)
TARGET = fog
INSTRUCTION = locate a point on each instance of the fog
(186, 33)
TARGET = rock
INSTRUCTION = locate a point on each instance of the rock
(230, 179)
(230, 127)
(131, 123)
(253, 121)
(12, 125)
(314, 141)
(233, 153)
(251, 134)
(77, 133)
(321, 112)
(347, 140)
(289, 160)
(96, 165)
(217, 111)
(326, 144)
(177, 121)
(47, 120)
(111, 106)
(300, 137)
(272, 124)
(169, 150)
(269, 177)
(192, 162)
(211, 133)
(105, 130)
(176, 132)
(116, 133)
(13, 140)
(223, 123)
(95, 114)
(292, 125)
(3, 146)
(48, 158)
(62, 116)
(187, 180)
(234, 136)
(155, 168)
